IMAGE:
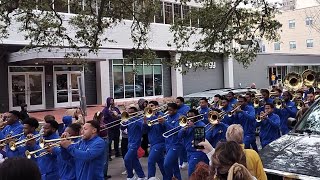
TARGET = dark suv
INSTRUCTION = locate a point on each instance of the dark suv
(297, 154)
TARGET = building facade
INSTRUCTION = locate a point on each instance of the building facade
(46, 80)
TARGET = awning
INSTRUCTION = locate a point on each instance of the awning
(59, 54)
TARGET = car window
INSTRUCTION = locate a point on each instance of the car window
(311, 121)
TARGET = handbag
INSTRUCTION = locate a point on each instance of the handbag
(140, 152)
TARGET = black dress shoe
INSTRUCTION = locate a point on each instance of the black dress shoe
(110, 159)
(107, 177)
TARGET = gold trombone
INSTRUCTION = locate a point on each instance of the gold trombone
(29, 154)
(213, 117)
(233, 111)
(183, 122)
(13, 145)
(2, 142)
(155, 121)
(42, 142)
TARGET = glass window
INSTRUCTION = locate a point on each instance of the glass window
(118, 89)
(129, 81)
(177, 12)
(159, 14)
(309, 43)
(76, 6)
(292, 45)
(68, 68)
(148, 79)
(186, 15)
(292, 24)
(61, 6)
(158, 80)
(45, 5)
(118, 61)
(168, 13)
(26, 69)
(139, 87)
(277, 46)
(309, 21)
(194, 19)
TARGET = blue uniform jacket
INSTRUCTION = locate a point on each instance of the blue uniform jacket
(233, 101)
(183, 109)
(134, 133)
(89, 157)
(227, 120)
(13, 129)
(48, 163)
(269, 129)
(289, 111)
(247, 120)
(20, 150)
(216, 133)
(66, 164)
(170, 123)
(155, 131)
(204, 111)
(187, 135)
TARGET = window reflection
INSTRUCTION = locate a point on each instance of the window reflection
(158, 80)
(148, 78)
(118, 82)
(139, 81)
(168, 12)
(129, 81)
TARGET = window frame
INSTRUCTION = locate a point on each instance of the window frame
(309, 21)
(275, 45)
(292, 21)
(134, 64)
(293, 43)
(310, 42)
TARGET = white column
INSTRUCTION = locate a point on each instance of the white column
(228, 72)
(176, 78)
(103, 81)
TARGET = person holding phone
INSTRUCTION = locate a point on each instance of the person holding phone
(192, 135)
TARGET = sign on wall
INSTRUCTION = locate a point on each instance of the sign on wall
(209, 65)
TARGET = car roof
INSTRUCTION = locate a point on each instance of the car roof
(224, 91)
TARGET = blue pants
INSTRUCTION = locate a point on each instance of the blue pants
(171, 163)
(131, 162)
(106, 163)
(50, 176)
(156, 155)
(250, 140)
(194, 158)
(183, 156)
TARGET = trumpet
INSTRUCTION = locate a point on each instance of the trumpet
(260, 117)
(183, 122)
(13, 145)
(2, 142)
(300, 103)
(42, 142)
(33, 153)
(278, 103)
(232, 112)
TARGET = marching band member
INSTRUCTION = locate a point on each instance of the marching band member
(310, 98)
(249, 97)
(287, 110)
(245, 116)
(231, 98)
(142, 104)
(47, 163)
(29, 127)
(156, 140)
(204, 109)
(216, 100)
(131, 160)
(217, 131)
(66, 164)
(112, 114)
(187, 134)
(88, 154)
(226, 108)
(278, 93)
(173, 143)
(103, 133)
(13, 125)
(266, 96)
(270, 125)
(182, 110)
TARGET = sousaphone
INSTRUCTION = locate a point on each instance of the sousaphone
(293, 81)
(309, 77)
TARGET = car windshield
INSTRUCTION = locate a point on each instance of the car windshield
(311, 122)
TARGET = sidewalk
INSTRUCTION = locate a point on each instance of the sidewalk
(58, 113)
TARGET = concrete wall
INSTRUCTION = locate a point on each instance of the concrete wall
(200, 80)
(257, 72)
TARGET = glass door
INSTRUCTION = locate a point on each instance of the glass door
(66, 89)
(26, 88)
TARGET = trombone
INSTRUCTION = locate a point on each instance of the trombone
(155, 121)
(13, 145)
(42, 142)
(233, 111)
(213, 117)
(2, 142)
(29, 154)
(183, 122)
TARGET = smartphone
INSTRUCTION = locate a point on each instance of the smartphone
(198, 136)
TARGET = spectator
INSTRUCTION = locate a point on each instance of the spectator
(24, 112)
(19, 168)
